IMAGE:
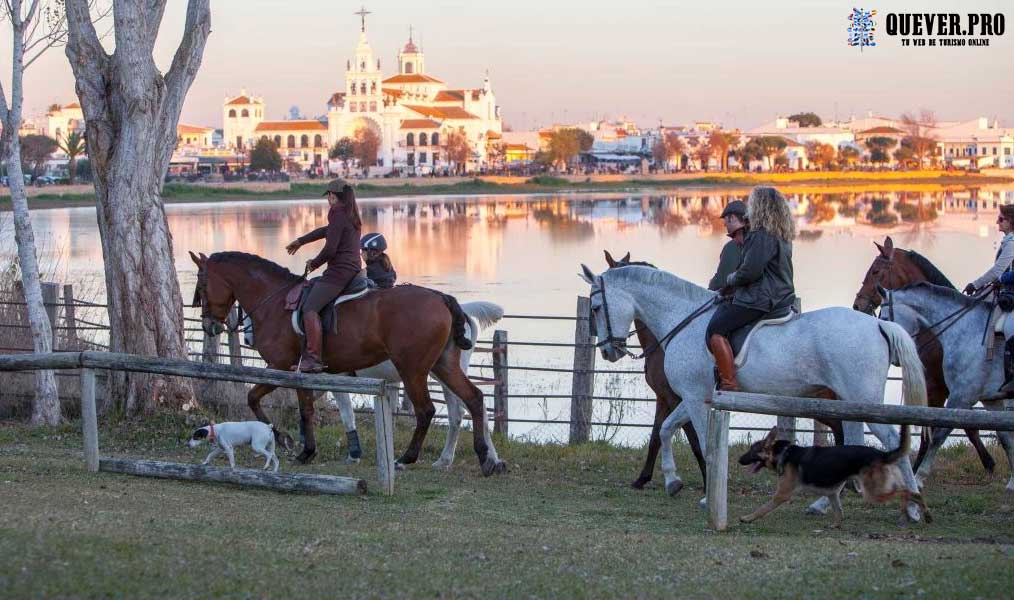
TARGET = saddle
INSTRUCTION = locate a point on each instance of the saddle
(740, 340)
(296, 298)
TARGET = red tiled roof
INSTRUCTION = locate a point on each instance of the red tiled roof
(184, 128)
(412, 78)
(882, 129)
(450, 96)
(492, 135)
(242, 100)
(72, 105)
(392, 91)
(291, 126)
(419, 124)
(442, 112)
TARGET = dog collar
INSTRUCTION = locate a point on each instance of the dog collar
(211, 433)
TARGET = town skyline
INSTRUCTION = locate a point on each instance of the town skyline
(578, 64)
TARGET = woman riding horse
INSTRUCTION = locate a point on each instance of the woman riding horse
(762, 283)
(341, 254)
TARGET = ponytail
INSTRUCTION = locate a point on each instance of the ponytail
(351, 208)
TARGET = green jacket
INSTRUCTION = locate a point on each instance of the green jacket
(732, 255)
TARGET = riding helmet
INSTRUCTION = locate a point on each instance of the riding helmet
(373, 241)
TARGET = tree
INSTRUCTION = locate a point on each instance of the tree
(73, 145)
(806, 119)
(750, 152)
(365, 146)
(820, 154)
(919, 134)
(131, 111)
(34, 30)
(848, 156)
(294, 113)
(342, 150)
(703, 152)
(457, 150)
(668, 147)
(265, 156)
(35, 150)
(721, 142)
(771, 146)
(905, 155)
(880, 148)
(565, 144)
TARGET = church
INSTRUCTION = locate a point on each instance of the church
(411, 113)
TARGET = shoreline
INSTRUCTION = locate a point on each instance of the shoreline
(176, 193)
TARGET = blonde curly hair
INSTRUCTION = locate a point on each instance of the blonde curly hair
(768, 209)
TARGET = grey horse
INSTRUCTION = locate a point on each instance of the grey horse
(959, 322)
(834, 348)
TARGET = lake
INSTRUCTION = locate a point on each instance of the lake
(524, 252)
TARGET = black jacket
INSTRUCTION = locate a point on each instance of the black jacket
(763, 280)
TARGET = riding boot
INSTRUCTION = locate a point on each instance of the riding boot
(310, 362)
(1007, 389)
(725, 361)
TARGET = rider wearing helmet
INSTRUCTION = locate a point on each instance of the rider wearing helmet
(378, 264)
(341, 255)
(761, 284)
(736, 227)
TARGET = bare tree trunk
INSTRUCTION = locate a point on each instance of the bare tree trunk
(131, 112)
(46, 403)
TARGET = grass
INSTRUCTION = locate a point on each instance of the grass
(185, 193)
(562, 523)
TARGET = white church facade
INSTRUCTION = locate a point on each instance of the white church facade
(411, 113)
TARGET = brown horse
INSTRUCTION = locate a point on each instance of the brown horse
(666, 400)
(419, 330)
(895, 268)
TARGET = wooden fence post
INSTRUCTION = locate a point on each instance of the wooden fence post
(235, 351)
(383, 415)
(718, 468)
(500, 391)
(69, 316)
(50, 291)
(583, 383)
(89, 420)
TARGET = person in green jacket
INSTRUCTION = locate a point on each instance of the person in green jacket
(736, 227)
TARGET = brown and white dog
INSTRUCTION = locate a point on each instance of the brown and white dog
(825, 471)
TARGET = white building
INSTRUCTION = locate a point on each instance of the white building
(977, 144)
(782, 127)
(61, 120)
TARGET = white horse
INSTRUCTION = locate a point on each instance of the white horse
(481, 315)
(836, 348)
(959, 323)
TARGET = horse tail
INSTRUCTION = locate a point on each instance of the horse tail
(904, 353)
(485, 313)
(458, 320)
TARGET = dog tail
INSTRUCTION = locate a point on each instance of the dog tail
(903, 448)
(904, 353)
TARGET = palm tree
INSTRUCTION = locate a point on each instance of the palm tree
(73, 145)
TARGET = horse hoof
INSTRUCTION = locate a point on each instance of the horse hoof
(352, 460)
(639, 483)
(488, 466)
(913, 512)
(306, 457)
(703, 503)
(399, 466)
(1010, 488)
(673, 487)
(500, 467)
(442, 465)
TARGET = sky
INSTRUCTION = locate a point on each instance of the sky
(738, 63)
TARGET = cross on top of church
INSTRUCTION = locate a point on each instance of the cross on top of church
(362, 15)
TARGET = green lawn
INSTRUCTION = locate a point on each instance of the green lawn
(562, 523)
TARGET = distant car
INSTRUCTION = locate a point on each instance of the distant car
(45, 180)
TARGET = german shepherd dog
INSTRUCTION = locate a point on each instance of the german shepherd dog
(825, 471)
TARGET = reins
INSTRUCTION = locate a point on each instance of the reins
(953, 317)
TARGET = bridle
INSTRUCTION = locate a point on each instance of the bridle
(620, 343)
(200, 296)
(876, 300)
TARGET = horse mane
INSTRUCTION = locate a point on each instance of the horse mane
(932, 273)
(635, 263)
(939, 291)
(252, 260)
(655, 276)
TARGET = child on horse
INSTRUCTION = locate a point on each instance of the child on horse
(378, 264)
(341, 255)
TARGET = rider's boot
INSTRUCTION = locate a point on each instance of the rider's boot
(725, 360)
(1007, 389)
(310, 362)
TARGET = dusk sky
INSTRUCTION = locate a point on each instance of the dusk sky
(740, 63)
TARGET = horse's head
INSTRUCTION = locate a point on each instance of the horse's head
(890, 270)
(213, 295)
(612, 312)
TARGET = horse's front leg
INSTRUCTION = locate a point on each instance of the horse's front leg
(308, 428)
(675, 420)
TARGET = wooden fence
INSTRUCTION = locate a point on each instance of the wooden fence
(723, 403)
(88, 362)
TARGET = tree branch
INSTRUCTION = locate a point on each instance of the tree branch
(185, 64)
(88, 59)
